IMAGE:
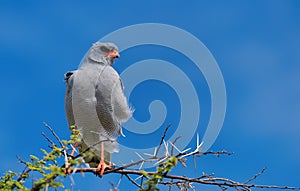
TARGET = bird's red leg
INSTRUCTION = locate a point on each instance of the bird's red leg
(102, 165)
(74, 148)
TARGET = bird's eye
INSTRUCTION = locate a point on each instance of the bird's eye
(104, 49)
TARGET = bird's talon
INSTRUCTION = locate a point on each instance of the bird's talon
(102, 167)
(67, 171)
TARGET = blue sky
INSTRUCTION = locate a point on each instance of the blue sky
(256, 44)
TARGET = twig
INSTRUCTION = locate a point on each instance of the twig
(54, 134)
(133, 181)
(119, 182)
(257, 175)
(61, 144)
(116, 188)
(132, 164)
(25, 171)
(199, 153)
(48, 139)
(162, 139)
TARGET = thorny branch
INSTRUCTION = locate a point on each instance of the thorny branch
(150, 179)
(177, 179)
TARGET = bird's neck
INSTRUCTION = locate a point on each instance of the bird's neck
(102, 61)
(92, 64)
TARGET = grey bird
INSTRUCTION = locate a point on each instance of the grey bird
(96, 105)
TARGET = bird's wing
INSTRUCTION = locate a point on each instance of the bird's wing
(69, 76)
(120, 104)
(104, 90)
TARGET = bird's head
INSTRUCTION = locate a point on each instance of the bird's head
(101, 52)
